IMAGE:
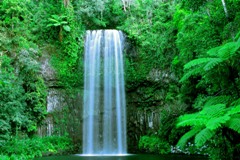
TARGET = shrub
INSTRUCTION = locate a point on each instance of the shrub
(153, 144)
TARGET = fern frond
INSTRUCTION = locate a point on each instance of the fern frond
(215, 123)
(191, 120)
(225, 51)
(214, 51)
(184, 139)
(237, 37)
(234, 124)
(212, 63)
(214, 110)
(236, 102)
(228, 50)
(217, 100)
(196, 62)
(203, 136)
(192, 72)
(234, 110)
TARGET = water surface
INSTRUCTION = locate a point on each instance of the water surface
(129, 157)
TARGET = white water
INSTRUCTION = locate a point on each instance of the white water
(104, 112)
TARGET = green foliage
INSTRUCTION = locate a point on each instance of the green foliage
(150, 29)
(11, 101)
(219, 61)
(153, 144)
(68, 60)
(207, 123)
(59, 21)
(26, 148)
(23, 98)
(101, 13)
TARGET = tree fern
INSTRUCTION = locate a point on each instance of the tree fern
(228, 50)
(219, 75)
(217, 100)
(234, 110)
(213, 110)
(184, 139)
(234, 124)
(212, 63)
(203, 136)
(213, 52)
(236, 102)
(215, 123)
(191, 120)
(195, 71)
(216, 56)
(196, 62)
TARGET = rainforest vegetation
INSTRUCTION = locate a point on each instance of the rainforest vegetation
(195, 44)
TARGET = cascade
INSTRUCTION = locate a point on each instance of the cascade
(104, 108)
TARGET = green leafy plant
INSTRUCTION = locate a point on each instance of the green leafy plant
(208, 124)
(154, 144)
(221, 56)
(217, 72)
(205, 124)
(29, 148)
(59, 21)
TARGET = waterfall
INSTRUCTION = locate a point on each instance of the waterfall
(104, 108)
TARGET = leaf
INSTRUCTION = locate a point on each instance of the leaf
(217, 100)
(214, 51)
(236, 102)
(234, 110)
(196, 62)
(184, 139)
(191, 120)
(228, 50)
(56, 17)
(211, 64)
(57, 24)
(67, 28)
(49, 25)
(64, 22)
(234, 123)
(190, 73)
(203, 136)
(214, 110)
(215, 123)
(53, 20)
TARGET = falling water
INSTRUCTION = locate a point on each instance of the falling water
(104, 113)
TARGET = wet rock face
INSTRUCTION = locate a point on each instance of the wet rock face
(47, 71)
(64, 107)
(56, 99)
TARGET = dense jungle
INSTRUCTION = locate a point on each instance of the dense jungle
(182, 66)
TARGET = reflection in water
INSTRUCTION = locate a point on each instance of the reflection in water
(129, 157)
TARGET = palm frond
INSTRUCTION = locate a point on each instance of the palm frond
(203, 136)
(184, 139)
